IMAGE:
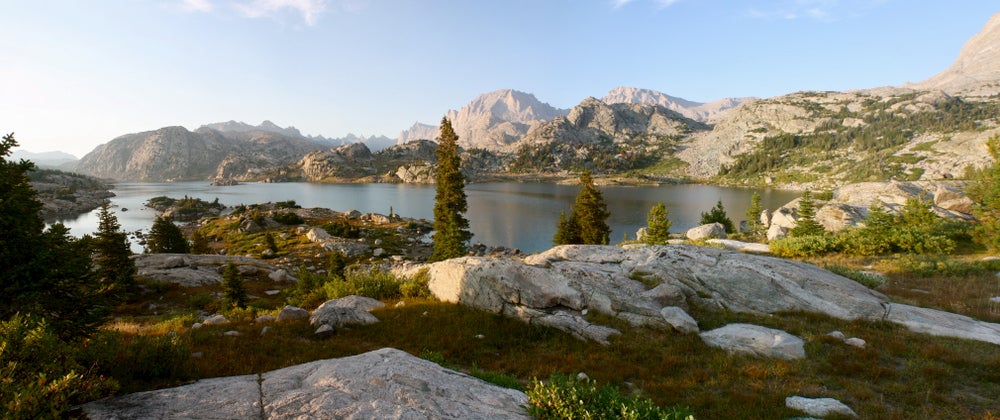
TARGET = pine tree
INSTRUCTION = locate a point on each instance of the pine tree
(755, 229)
(985, 192)
(718, 215)
(233, 289)
(199, 243)
(166, 237)
(451, 228)
(44, 272)
(807, 224)
(587, 222)
(337, 264)
(115, 268)
(657, 225)
(567, 231)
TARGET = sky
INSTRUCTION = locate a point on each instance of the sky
(75, 74)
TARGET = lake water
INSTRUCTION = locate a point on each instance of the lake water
(515, 215)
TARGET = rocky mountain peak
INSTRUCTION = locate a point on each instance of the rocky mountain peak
(978, 62)
(240, 127)
(698, 111)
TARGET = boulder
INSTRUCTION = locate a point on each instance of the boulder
(279, 275)
(318, 235)
(709, 231)
(193, 270)
(215, 320)
(836, 216)
(941, 323)
(679, 320)
(756, 340)
(357, 302)
(292, 313)
(953, 199)
(339, 316)
(776, 232)
(382, 384)
(173, 261)
(819, 407)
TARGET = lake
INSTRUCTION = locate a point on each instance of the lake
(515, 215)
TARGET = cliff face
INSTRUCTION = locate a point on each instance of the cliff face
(977, 66)
(175, 154)
(492, 121)
(698, 111)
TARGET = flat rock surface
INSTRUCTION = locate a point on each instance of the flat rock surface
(756, 340)
(382, 384)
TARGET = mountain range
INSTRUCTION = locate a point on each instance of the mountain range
(927, 130)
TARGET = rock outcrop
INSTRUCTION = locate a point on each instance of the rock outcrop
(819, 407)
(560, 286)
(977, 65)
(698, 111)
(192, 270)
(382, 384)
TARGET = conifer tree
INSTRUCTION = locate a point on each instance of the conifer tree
(587, 222)
(233, 289)
(985, 192)
(451, 229)
(718, 215)
(45, 273)
(657, 225)
(115, 269)
(755, 229)
(166, 237)
(199, 243)
(807, 224)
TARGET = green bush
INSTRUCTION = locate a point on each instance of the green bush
(39, 374)
(373, 283)
(290, 204)
(288, 218)
(566, 398)
(499, 379)
(342, 229)
(417, 286)
(804, 246)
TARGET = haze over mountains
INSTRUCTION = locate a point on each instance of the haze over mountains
(942, 124)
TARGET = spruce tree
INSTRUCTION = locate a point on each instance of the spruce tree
(587, 222)
(46, 273)
(233, 289)
(115, 268)
(657, 225)
(718, 215)
(451, 229)
(199, 243)
(166, 237)
(755, 229)
(985, 192)
(807, 224)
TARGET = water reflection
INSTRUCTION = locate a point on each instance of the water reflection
(516, 215)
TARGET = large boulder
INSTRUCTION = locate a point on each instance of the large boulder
(362, 303)
(953, 199)
(837, 216)
(819, 407)
(318, 235)
(193, 270)
(709, 231)
(339, 316)
(756, 340)
(292, 313)
(382, 384)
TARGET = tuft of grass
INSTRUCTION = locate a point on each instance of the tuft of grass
(500, 379)
(867, 278)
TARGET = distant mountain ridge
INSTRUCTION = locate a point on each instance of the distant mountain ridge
(698, 111)
(978, 63)
(491, 121)
(47, 159)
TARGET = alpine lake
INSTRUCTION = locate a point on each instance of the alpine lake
(520, 215)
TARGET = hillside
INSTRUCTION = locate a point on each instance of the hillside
(698, 111)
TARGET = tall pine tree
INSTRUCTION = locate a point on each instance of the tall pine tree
(657, 225)
(985, 192)
(807, 224)
(115, 270)
(166, 237)
(755, 229)
(451, 229)
(587, 223)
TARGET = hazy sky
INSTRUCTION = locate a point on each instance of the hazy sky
(75, 74)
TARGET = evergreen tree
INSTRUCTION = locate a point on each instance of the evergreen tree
(985, 192)
(451, 229)
(115, 268)
(337, 264)
(233, 289)
(166, 237)
(657, 225)
(567, 231)
(755, 229)
(587, 223)
(718, 215)
(199, 243)
(807, 224)
(44, 272)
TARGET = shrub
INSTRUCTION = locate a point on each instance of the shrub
(869, 279)
(373, 283)
(566, 398)
(417, 285)
(289, 204)
(39, 374)
(718, 215)
(804, 246)
(342, 229)
(135, 360)
(288, 218)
